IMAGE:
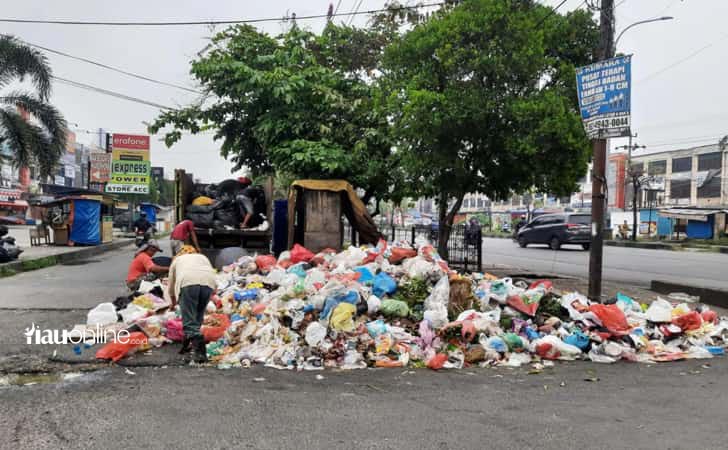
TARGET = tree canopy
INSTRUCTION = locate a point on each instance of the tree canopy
(42, 142)
(482, 99)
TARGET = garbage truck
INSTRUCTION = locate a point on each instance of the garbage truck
(213, 209)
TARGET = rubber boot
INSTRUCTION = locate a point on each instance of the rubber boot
(186, 346)
(200, 351)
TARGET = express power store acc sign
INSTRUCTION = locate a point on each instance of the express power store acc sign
(130, 165)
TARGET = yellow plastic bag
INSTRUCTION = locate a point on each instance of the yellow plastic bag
(203, 201)
(341, 318)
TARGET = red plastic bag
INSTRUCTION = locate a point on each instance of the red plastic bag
(437, 361)
(174, 330)
(126, 345)
(214, 333)
(399, 254)
(265, 262)
(611, 317)
(300, 253)
(517, 303)
(320, 257)
(547, 351)
(709, 316)
(547, 285)
(688, 322)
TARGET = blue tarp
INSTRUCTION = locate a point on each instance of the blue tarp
(86, 222)
(700, 230)
(151, 211)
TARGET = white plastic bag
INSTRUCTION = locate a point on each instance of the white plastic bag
(132, 313)
(659, 311)
(373, 303)
(315, 334)
(103, 314)
(436, 303)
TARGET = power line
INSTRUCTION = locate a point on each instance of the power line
(354, 11)
(214, 22)
(96, 63)
(337, 7)
(550, 13)
(681, 60)
(108, 92)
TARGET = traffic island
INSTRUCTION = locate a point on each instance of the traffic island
(714, 297)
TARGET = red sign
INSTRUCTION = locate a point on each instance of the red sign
(131, 141)
(9, 195)
(100, 167)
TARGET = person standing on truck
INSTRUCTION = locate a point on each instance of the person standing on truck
(182, 234)
(192, 281)
(244, 202)
(142, 267)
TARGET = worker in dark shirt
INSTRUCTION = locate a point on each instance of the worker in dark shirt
(244, 202)
(142, 225)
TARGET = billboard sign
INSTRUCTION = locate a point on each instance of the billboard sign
(100, 167)
(604, 90)
(130, 166)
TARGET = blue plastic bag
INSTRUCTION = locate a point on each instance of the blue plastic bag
(384, 285)
(298, 270)
(245, 295)
(366, 275)
(376, 327)
(332, 302)
(577, 339)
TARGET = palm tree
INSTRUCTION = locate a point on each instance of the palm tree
(39, 143)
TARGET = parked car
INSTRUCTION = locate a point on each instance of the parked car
(556, 230)
(506, 227)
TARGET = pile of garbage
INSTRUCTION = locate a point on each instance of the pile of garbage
(9, 250)
(399, 306)
(220, 206)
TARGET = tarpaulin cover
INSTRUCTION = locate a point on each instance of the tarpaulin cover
(151, 212)
(86, 222)
(352, 206)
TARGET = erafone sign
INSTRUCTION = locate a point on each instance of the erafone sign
(130, 166)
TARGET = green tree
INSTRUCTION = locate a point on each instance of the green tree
(41, 144)
(298, 104)
(482, 98)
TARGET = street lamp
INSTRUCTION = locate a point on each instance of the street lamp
(657, 19)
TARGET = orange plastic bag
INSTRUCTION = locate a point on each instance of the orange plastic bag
(611, 317)
(300, 253)
(126, 345)
(517, 303)
(399, 254)
(265, 262)
(437, 361)
(213, 333)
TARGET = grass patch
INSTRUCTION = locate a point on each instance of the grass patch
(7, 272)
(40, 263)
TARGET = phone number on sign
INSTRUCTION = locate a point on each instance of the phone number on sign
(612, 122)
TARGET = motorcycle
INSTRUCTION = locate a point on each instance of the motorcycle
(142, 237)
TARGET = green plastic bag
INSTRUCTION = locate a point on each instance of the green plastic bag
(396, 308)
(513, 341)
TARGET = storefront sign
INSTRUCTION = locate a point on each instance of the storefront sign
(130, 167)
(100, 167)
(10, 195)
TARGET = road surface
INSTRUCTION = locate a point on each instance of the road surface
(621, 264)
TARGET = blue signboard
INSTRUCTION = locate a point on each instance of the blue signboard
(604, 90)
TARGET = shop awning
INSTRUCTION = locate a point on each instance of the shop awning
(700, 215)
(20, 204)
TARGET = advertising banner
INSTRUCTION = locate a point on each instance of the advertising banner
(130, 167)
(100, 167)
(604, 91)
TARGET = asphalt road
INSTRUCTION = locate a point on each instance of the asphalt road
(621, 264)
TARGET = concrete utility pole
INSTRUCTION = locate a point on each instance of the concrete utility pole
(606, 51)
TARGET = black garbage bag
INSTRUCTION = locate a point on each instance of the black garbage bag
(4, 257)
(202, 220)
(200, 209)
(227, 217)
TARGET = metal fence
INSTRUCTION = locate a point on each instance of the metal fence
(465, 250)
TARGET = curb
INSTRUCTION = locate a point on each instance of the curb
(52, 260)
(714, 297)
(645, 245)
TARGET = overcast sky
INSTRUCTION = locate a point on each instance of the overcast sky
(677, 68)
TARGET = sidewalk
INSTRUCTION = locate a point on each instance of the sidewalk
(42, 256)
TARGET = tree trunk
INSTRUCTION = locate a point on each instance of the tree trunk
(634, 208)
(446, 219)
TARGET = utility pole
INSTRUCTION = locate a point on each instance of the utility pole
(606, 51)
(634, 177)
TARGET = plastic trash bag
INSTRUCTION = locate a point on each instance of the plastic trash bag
(611, 317)
(351, 257)
(115, 351)
(395, 308)
(399, 254)
(300, 253)
(366, 276)
(315, 334)
(438, 361)
(175, 331)
(213, 333)
(265, 262)
(376, 327)
(351, 297)
(373, 304)
(384, 285)
(524, 304)
(103, 314)
(659, 311)
(689, 322)
(577, 339)
(341, 318)
(576, 304)
(551, 347)
(132, 312)
(436, 303)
